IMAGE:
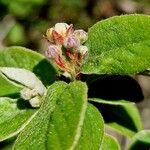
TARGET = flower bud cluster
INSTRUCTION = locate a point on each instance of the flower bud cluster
(66, 47)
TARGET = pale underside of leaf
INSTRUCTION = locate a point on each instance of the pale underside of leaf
(24, 77)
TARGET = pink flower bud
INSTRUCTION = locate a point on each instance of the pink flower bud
(71, 42)
(83, 50)
(53, 52)
(70, 30)
(58, 33)
(58, 39)
(81, 35)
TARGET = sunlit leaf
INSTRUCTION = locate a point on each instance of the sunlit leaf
(15, 114)
(109, 143)
(58, 124)
(119, 45)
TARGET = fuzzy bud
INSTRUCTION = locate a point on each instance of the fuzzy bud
(58, 33)
(26, 94)
(49, 35)
(83, 50)
(35, 102)
(81, 35)
(52, 52)
(71, 42)
(61, 28)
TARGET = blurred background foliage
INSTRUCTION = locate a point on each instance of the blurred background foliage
(24, 22)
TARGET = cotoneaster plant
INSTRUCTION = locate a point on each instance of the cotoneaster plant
(45, 103)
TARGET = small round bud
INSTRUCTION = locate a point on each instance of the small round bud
(52, 51)
(35, 102)
(71, 42)
(26, 94)
(81, 35)
(83, 50)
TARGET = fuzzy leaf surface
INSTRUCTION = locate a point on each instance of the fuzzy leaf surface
(58, 124)
(119, 45)
(14, 115)
(92, 131)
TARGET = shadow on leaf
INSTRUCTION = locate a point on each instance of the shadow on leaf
(45, 71)
(140, 145)
(113, 87)
(7, 144)
(23, 104)
(117, 114)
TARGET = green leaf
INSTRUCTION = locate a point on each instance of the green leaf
(58, 124)
(109, 143)
(119, 45)
(123, 116)
(92, 131)
(8, 88)
(20, 57)
(140, 141)
(14, 116)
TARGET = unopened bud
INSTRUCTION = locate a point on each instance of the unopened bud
(81, 35)
(61, 28)
(83, 50)
(49, 35)
(35, 102)
(70, 30)
(71, 42)
(52, 51)
(26, 94)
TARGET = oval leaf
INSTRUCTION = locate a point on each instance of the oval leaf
(20, 57)
(92, 131)
(140, 141)
(123, 116)
(14, 116)
(58, 124)
(109, 143)
(119, 45)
